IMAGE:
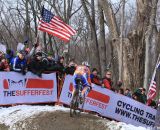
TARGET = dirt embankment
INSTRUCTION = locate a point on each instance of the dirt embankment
(58, 120)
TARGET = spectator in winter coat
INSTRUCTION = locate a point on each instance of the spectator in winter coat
(141, 97)
(30, 53)
(107, 81)
(127, 93)
(119, 84)
(153, 104)
(4, 66)
(144, 96)
(9, 55)
(71, 68)
(94, 77)
(60, 65)
(51, 65)
(19, 63)
(135, 96)
(121, 91)
(37, 66)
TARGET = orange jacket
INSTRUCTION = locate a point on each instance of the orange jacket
(107, 83)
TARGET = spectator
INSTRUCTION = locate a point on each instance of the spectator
(127, 93)
(36, 65)
(9, 55)
(114, 90)
(144, 96)
(60, 65)
(135, 96)
(121, 91)
(51, 65)
(70, 68)
(4, 66)
(119, 84)
(30, 53)
(153, 104)
(94, 77)
(107, 82)
(19, 63)
(140, 95)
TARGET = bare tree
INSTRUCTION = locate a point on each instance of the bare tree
(148, 39)
(102, 43)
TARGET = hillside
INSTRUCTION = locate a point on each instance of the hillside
(54, 118)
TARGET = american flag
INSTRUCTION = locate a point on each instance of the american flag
(153, 86)
(55, 26)
(152, 91)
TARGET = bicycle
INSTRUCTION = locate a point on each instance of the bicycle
(77, 103)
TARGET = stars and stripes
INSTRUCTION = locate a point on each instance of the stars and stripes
(152, 90)
(153, 86)
(55, 26)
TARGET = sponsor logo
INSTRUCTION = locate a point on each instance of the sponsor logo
(40, 83)
(28, 83)
(8, 83)
(99, 96)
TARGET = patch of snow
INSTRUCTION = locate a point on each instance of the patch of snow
(11, 115)
(113, 125)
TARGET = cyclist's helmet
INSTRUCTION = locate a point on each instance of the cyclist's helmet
(85, 63)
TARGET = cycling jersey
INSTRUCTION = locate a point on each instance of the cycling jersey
(83, 73)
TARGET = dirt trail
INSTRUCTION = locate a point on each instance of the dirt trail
(59, 120)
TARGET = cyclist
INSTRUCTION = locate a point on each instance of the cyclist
(82, 72)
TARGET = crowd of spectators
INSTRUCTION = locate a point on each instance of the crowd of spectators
(38, 62)
(139, 94)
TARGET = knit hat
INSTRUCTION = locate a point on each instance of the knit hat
(39, 53)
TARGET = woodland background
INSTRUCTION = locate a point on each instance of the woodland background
(119, 35)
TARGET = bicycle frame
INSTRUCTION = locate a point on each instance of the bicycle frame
(76, 101)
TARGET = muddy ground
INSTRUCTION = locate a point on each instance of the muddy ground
(59, 120)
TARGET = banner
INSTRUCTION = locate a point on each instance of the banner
(112, 105)
(16, 88)
(157, 121)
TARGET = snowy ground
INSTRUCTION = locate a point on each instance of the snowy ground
(9, 116)
(113, 125)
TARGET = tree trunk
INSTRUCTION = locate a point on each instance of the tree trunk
(134, 45)
(148, 39)
(121, 42)
(50, 43)
(102, 45)
(27, 21)
(111, 19)
(45, 41)
(34, 16)
(91, 20)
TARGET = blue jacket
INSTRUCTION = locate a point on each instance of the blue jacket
(9, 56)
(18, 64)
